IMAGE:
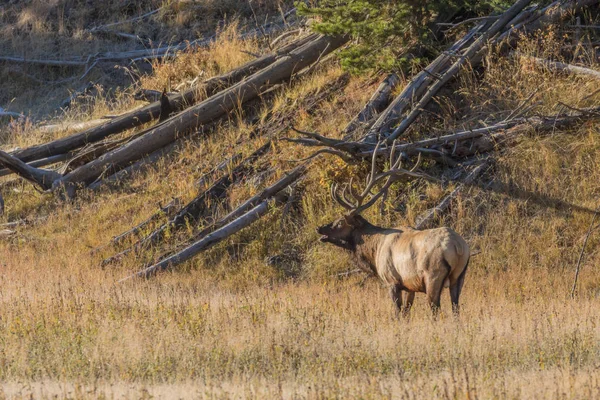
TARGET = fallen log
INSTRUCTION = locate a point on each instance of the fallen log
(272, 195)
(152, 111)
(274, 125)
(41, 177)
(194, 208)
(204, 112)
(40, 163)
(364, 151)
(424, 220)
(469, 53)
(136, 167)
(377, 103)
(450, 138)
(54, 63)
(54, 128)
(417, 86)
(207, 242)
(288, 179)
(562, 67)
(526, 21)
(496, 134)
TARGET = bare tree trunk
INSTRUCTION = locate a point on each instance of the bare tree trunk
(41, 177)
(152, 111)
(424, 220)
(378, 102)
(206, 111)
(231, 224)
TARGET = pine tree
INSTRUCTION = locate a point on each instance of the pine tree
(384, 31)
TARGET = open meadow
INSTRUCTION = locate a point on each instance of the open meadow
(270, 312)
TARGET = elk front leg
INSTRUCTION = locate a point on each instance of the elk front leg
(409, 298)
(396, 293)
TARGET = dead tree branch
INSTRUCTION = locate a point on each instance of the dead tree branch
(563, 67)
(152, 111)
(204, 112)
(425, 219)
(42, 178)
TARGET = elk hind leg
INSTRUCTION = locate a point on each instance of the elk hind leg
(433, 289)
(456, 289)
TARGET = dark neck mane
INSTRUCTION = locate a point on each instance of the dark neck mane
(364, 246)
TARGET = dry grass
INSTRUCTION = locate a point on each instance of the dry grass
(60, 30)
(229, 325)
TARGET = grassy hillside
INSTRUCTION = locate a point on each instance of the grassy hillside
(229, 324)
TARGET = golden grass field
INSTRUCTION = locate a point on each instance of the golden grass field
(228, 325)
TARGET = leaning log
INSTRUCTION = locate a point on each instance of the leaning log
(274, 125)
(428, 217)
(194, 209)
(207, 242)
(469, 53)
(204, 112)
(527, 21)
(494, 135)
(41, 177)
(273, 194)
(288, 179)
(557, 66)
(377, 103)
(417, 86)
(40, 163)
(152, 111)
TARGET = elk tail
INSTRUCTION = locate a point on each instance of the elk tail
(459, 248)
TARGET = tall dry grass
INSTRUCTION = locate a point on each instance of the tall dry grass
(230, 325)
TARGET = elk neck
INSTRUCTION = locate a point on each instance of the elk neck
(365, 245)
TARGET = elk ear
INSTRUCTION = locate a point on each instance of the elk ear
(354, 220)
(359, 221)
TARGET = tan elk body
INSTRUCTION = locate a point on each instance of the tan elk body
(406, 259)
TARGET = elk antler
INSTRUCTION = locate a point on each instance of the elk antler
(392, 175)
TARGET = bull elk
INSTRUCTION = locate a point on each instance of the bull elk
(406, 259)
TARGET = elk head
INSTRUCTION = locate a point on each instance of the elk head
(342, 231)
